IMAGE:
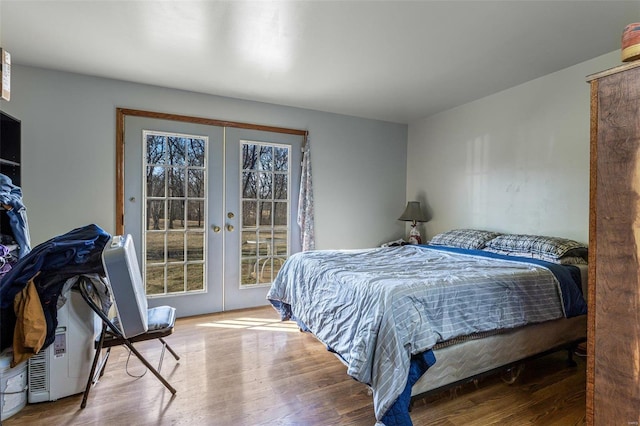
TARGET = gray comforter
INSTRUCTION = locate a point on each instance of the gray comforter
(377, 307)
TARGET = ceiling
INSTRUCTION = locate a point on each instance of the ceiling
(389, 60)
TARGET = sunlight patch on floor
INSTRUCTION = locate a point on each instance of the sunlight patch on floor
(262, 324)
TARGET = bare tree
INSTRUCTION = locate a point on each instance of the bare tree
(155, 176)
(176, 159)
(196, 176)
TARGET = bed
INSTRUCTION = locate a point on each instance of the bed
(413, 319)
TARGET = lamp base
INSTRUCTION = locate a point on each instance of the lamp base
(414, 236)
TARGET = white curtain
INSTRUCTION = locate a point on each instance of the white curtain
(305, 201)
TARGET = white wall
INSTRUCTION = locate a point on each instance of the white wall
(516, 161)
(68, 153)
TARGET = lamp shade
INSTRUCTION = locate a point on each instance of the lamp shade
(413, 213)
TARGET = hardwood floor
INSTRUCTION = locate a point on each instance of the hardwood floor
(248, 368)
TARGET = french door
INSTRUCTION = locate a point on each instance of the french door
(211, 210)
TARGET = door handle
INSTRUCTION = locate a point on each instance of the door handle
(230, 227)
(215, 228)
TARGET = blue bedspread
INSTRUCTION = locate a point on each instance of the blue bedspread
(382, 310)
(568, 277)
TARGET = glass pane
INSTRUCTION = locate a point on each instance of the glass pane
(280, 187)
(195, 214)
(264, 275)
(266, 186)
(175, 246)
(155, 247)
(249, 156)
(175, 278)
(265, 206)
(176, 169)
(155, 149)
(176, 214)
(281, 159)
(196, 183)
(265, 213)
(248, 272)
(280, 243)
(195, 246)
(249, 185)
(249, 243)
(155, 215)
(249, 213)
(266, 158)
(156, 181)
(195, 277)
(155, 279)
(176, 182)
(265, 243)
(277, 265)
(280, 215)
(196, 149)
(176, 150)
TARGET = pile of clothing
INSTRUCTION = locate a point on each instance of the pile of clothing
(33, 282)
(30, 291)
(7, 259)
(11, 201)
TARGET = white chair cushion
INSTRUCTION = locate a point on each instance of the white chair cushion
(161, 317)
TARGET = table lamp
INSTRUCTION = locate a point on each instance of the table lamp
(413, 213)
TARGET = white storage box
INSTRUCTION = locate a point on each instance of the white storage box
(13, 385)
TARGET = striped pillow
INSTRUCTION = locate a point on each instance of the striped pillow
(474, 239)
(551, 249)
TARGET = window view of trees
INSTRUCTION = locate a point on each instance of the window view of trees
(175, 217)
(265, 210)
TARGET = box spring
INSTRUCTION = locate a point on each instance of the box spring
(461, 362)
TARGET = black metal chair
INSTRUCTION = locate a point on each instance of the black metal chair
(161, 321)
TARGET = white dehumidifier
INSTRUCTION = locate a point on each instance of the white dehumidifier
(62, 369)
